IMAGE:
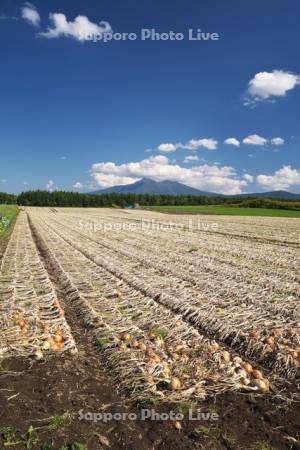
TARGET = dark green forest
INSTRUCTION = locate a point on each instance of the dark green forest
(65, 198)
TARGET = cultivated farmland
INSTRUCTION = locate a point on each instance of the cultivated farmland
(179, 308)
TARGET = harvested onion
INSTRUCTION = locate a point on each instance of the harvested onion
(262, 385)
(122, 346)
(125, 336)
(175, 384)
(151, 335)
(247, 366)
(226, 356)
(178, 425)
(58, 338)
(214, 347)
(270, 340)
(257, 374)
(38, 354)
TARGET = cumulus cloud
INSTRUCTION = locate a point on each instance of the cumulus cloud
(277, 141)
(190, 158)
(167, 148)
(30, 13)
(207, 177)
(192, 144)
(78, 185)
(79, 28)
(232, 141)
(283, 178)
(255, 139)
(269, 85)
(249, 178)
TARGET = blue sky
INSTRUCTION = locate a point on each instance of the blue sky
(77, 114)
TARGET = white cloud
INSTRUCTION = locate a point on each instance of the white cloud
(167, 148)
(277, 141)
(194, 144)
(255, 139)
(232, 141)
(50, 186)
(3, 180)
(266, 85)
(29, 13)
(190, 158)
(159, 167)
(63, 158)
(282, 179)
(79, 28)
(78, 185)
(249, 178)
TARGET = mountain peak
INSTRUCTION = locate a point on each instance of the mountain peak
(149, 186)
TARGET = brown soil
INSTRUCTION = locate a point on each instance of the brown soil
(31, 392)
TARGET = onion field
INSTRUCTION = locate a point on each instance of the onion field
(176, 311)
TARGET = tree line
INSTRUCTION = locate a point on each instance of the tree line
(76, 199)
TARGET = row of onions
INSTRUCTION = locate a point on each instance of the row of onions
(31, 317)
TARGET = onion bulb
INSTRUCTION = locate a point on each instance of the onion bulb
(262, 385)
(226, 356)
(245, 381)
(178, 425)
(125, 336)
(58, 338)
(175, 384)
(122, 346)
(257, 374)
(38, 354)
(247, 366)
(142, 346)
(254, 334)
(214, 347)
(270, 340)
(151, 335)
(135, 344)
(56, 346)
(22, 323)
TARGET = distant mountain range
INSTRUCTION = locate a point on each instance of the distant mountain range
(149, 186)
(271, 194)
